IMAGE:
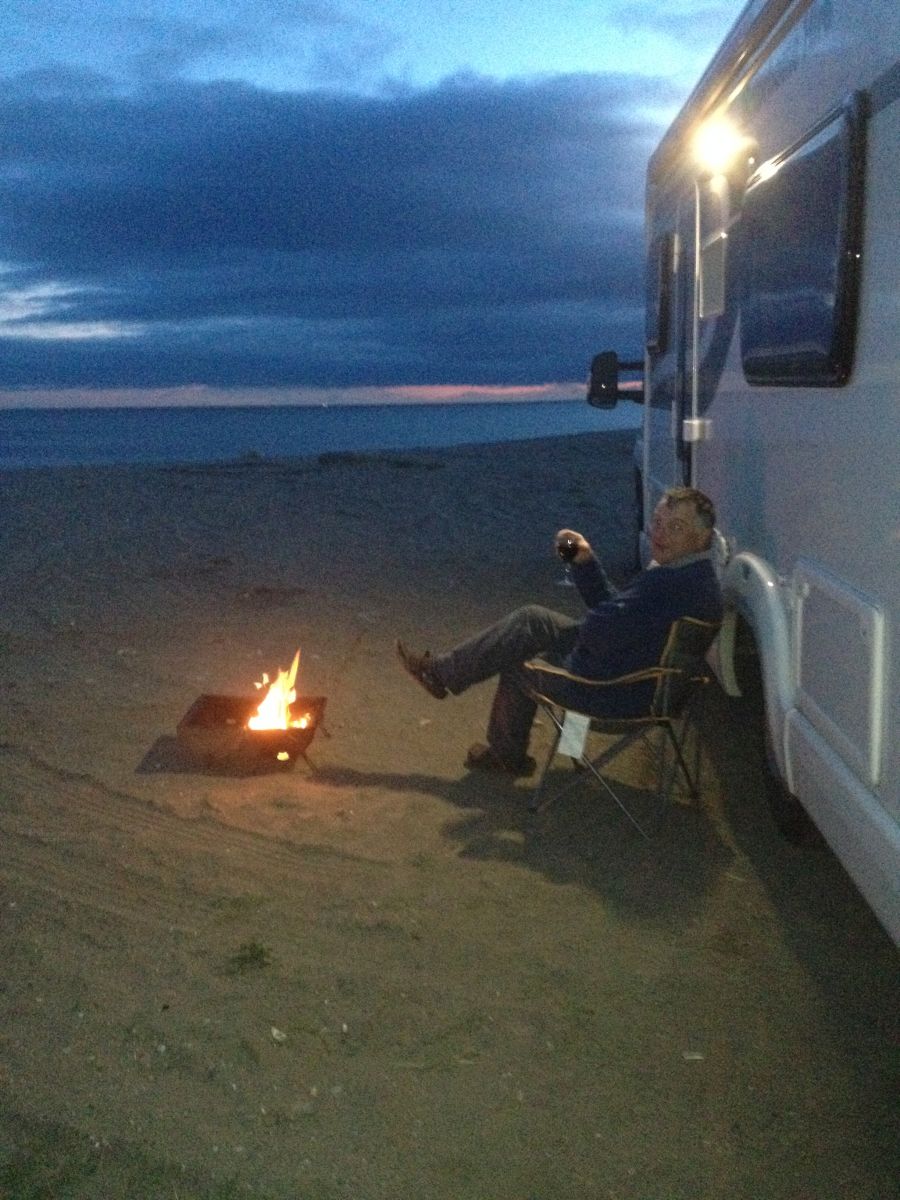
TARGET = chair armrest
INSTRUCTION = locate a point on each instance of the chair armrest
(646, 675)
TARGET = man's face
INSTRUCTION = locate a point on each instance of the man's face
(675, 532)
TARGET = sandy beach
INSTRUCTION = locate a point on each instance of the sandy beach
(375, 976)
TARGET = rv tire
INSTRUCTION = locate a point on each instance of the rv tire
(790, 817)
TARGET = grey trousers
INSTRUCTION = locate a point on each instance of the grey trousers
(500, 650)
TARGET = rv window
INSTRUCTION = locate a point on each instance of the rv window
(712, 276)
(800, 241)
(713, 200)
(658, 293)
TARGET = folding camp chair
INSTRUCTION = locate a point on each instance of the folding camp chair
(680, 679)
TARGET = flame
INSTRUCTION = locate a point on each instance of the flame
(274, 711)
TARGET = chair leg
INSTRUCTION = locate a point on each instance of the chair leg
(698, 758)
(697, 723)
(595, 765)
(680, 766)
(589, 766)
(537, 801)
(689, 729)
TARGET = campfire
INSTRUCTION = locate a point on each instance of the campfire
(274, 711)
(243, 734)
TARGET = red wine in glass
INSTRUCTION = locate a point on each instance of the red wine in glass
(567, 548)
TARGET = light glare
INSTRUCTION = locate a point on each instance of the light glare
(717, 144)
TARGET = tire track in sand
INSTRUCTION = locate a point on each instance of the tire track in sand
(68, 835)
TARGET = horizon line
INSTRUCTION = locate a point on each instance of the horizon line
(204, 395)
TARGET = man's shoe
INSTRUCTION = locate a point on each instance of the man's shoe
(485, 758)
(421, 668)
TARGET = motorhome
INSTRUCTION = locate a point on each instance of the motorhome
(771, 380)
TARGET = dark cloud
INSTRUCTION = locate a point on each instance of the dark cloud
(688, 21)
(475, 232)
(133, 40)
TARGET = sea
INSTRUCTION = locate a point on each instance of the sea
(80, 437)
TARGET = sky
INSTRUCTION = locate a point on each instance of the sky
(280, 201)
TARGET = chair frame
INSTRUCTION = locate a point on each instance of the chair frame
(681, 677)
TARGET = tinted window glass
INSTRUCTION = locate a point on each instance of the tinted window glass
(714, 200)
(658, 293)
(800, 240)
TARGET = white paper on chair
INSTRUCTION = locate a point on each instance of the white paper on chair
(574, 734)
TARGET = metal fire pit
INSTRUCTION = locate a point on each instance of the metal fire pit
(215, 733)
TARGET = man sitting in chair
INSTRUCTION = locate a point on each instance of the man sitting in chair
(623, 631)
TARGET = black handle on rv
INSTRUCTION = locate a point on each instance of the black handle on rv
(603, 386)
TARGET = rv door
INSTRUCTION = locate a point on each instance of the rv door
(671, 350)
(686, 333)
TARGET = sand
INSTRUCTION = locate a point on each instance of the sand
(374, 975)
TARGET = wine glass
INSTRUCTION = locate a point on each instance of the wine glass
(567, 548)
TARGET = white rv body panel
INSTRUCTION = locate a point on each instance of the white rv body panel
(805, 471)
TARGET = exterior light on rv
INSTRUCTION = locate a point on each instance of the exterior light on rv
(717, 144)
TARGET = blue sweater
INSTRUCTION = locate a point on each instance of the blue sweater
(626, 630)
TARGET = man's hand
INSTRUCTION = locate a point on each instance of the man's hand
(568, 540)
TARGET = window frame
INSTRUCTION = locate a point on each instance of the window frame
(658, 292)
(786, 364)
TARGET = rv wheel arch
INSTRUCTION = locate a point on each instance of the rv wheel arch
(746, 670)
